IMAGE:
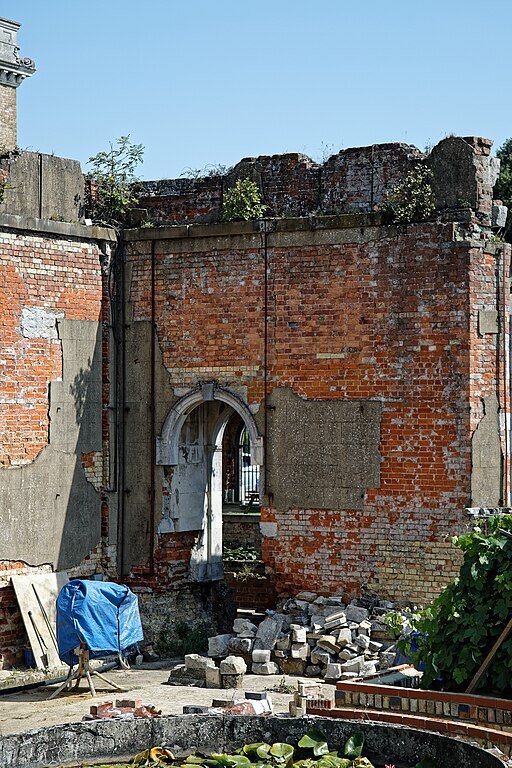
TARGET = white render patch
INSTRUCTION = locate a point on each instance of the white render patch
(268, 530)
(39, 323)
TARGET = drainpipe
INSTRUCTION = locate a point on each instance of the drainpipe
(121, 370)
(152, 398)
(265, 358)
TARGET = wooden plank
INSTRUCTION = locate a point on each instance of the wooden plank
(489, 658)
(47, 586)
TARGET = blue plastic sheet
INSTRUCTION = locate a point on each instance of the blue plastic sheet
(103, 615)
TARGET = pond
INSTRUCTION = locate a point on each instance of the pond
(109, 742)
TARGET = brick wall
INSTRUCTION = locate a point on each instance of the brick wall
(352, 314)
(47, 279)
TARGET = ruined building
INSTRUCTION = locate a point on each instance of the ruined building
(358, 369)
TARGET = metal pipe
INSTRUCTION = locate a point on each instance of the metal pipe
(152, 452)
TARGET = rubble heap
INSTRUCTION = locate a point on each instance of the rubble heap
(314, 636)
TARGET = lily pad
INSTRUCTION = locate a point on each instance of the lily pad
(354, 746)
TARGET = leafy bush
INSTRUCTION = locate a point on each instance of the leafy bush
(243, 552)
(243, 202)
(111, 183)
(413, 199)
(184, 638)
(468, 616)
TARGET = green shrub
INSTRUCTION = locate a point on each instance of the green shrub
(413, 199)
(111, 188)
(243, 202)
(182, 639)
(469, 615)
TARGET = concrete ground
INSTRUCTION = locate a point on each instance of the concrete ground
(25, 710)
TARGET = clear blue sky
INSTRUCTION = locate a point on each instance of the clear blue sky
(201, 82)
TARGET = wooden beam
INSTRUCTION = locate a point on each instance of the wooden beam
(489, 658)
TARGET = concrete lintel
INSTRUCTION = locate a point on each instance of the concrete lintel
(59, 228)
(303, 223)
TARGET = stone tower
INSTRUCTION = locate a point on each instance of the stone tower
(13, 70)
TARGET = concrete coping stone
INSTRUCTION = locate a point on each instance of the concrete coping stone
(302, 223)
(60, 228)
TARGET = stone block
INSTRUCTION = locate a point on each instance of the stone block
(196, 662)
(347, 653)
(260, 656)
(213, 678)
(300, 651)
(291, 666)
(333, 672)
(298, 633)
(354, 665)
(362, 642)
(499, 215)
(240, 645)
(244, 625)
(218, 645)
(328, 643)
(344, 637)
(307, 596)
(268, 632)
(365, 628)
(313, 670)
(284, 643)
(233, 665)
(232, 681)
(194, 709)
(266, 668)
(321, 656)
(356, 614)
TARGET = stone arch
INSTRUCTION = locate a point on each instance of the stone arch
(168, 441)
(190, 451)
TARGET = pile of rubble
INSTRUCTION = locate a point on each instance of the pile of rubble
(313, 636)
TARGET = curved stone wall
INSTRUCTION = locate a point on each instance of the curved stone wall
(110, 739)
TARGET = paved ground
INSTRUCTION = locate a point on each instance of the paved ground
(25, 710)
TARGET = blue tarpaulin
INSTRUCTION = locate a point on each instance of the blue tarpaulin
(102, 615)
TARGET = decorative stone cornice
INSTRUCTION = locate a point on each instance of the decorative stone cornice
(13, 68)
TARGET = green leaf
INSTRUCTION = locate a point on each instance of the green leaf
(282, 751)
(260, 748)
(354, 745)
(312, 737)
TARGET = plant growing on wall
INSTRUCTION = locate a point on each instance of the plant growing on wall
(413, 199)
(467, 617)
(243, 202)
(111, 187)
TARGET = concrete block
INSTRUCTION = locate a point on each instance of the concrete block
(344, 637)
(194, 709)
(291, 666)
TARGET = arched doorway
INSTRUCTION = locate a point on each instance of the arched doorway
(190, 452)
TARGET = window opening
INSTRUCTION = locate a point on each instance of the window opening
(249, 474)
